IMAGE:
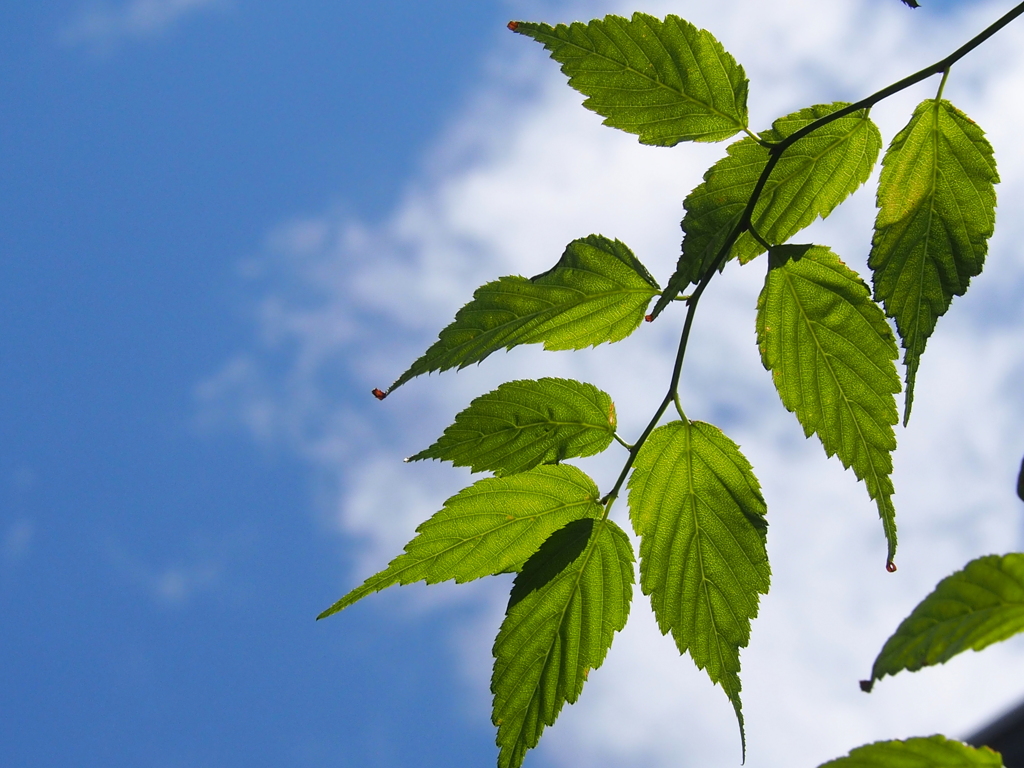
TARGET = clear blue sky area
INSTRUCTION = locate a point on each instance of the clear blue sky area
(134, 178)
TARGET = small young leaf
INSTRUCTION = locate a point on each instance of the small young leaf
(525, 423)
(597, 292)
(566, 604)
(811, 178)
(665, 81)
(830, 352)
(491, 527)
(936, 211)
(930, 752)
(698, 509)
(973, 608)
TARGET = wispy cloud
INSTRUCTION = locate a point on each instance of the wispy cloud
(346, 305)
(102, 26)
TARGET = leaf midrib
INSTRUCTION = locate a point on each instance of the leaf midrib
(578, 576)
(846, 400)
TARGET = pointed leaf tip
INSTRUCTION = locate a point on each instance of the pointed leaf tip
(700, 515)
(378, 393)
(665, 81)
(598, 292)
(522, 424)
(936, 211)
(831, 355)
(969, 610)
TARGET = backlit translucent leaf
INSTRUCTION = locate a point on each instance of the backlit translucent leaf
(665, 81)
(491, 527)
(936, 211)
(931, 752)
(813, 176)
(830, 352)
(525, 423)
(567, 603)
(597, 292)
(973, 608)
(697, 507)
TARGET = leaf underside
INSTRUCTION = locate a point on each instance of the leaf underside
(525, 423)
(665, 81)
(810, 179)
(930, 752)
(698, 509)
(491, 527)
(596, 293)
(971, 609)
(831, 352)
(936, 212)
(566, 604)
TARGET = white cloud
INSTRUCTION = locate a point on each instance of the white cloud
(103, 25)
(348, 304)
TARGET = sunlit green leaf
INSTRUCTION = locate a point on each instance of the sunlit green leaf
(698, 509)
(491, 527)
(973, 608)
(936, 211)
(597, 292)
(665, 81)
(525, 423)
(830, 352)
(809, 181)
(566, 604)
(931, 752)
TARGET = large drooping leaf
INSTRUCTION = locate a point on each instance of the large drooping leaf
(811, 178)
(597, 292)
(831, 355)
(936, 211)
(665, 81)
(525, 423)
(930, 752)
(973, 608)
(565, 606)
(491, 527)
(698, 509)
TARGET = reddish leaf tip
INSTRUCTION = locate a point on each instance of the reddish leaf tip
(379, 394)
(867, 685)
(649, 318)
(513, 25)
(890, 567)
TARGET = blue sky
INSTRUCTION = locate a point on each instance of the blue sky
(202, 202)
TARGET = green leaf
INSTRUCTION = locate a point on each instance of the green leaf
(597, 292)
(525, 423)
(1020, 481)
(491, 527)
(698, 509)
(665, 81)
(931, 752)
(566, 604)
(973, 608)
(830, 352)
(810, 179)
(936, 212)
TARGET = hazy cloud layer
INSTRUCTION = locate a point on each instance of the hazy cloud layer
(346, 305)
(102, 25)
